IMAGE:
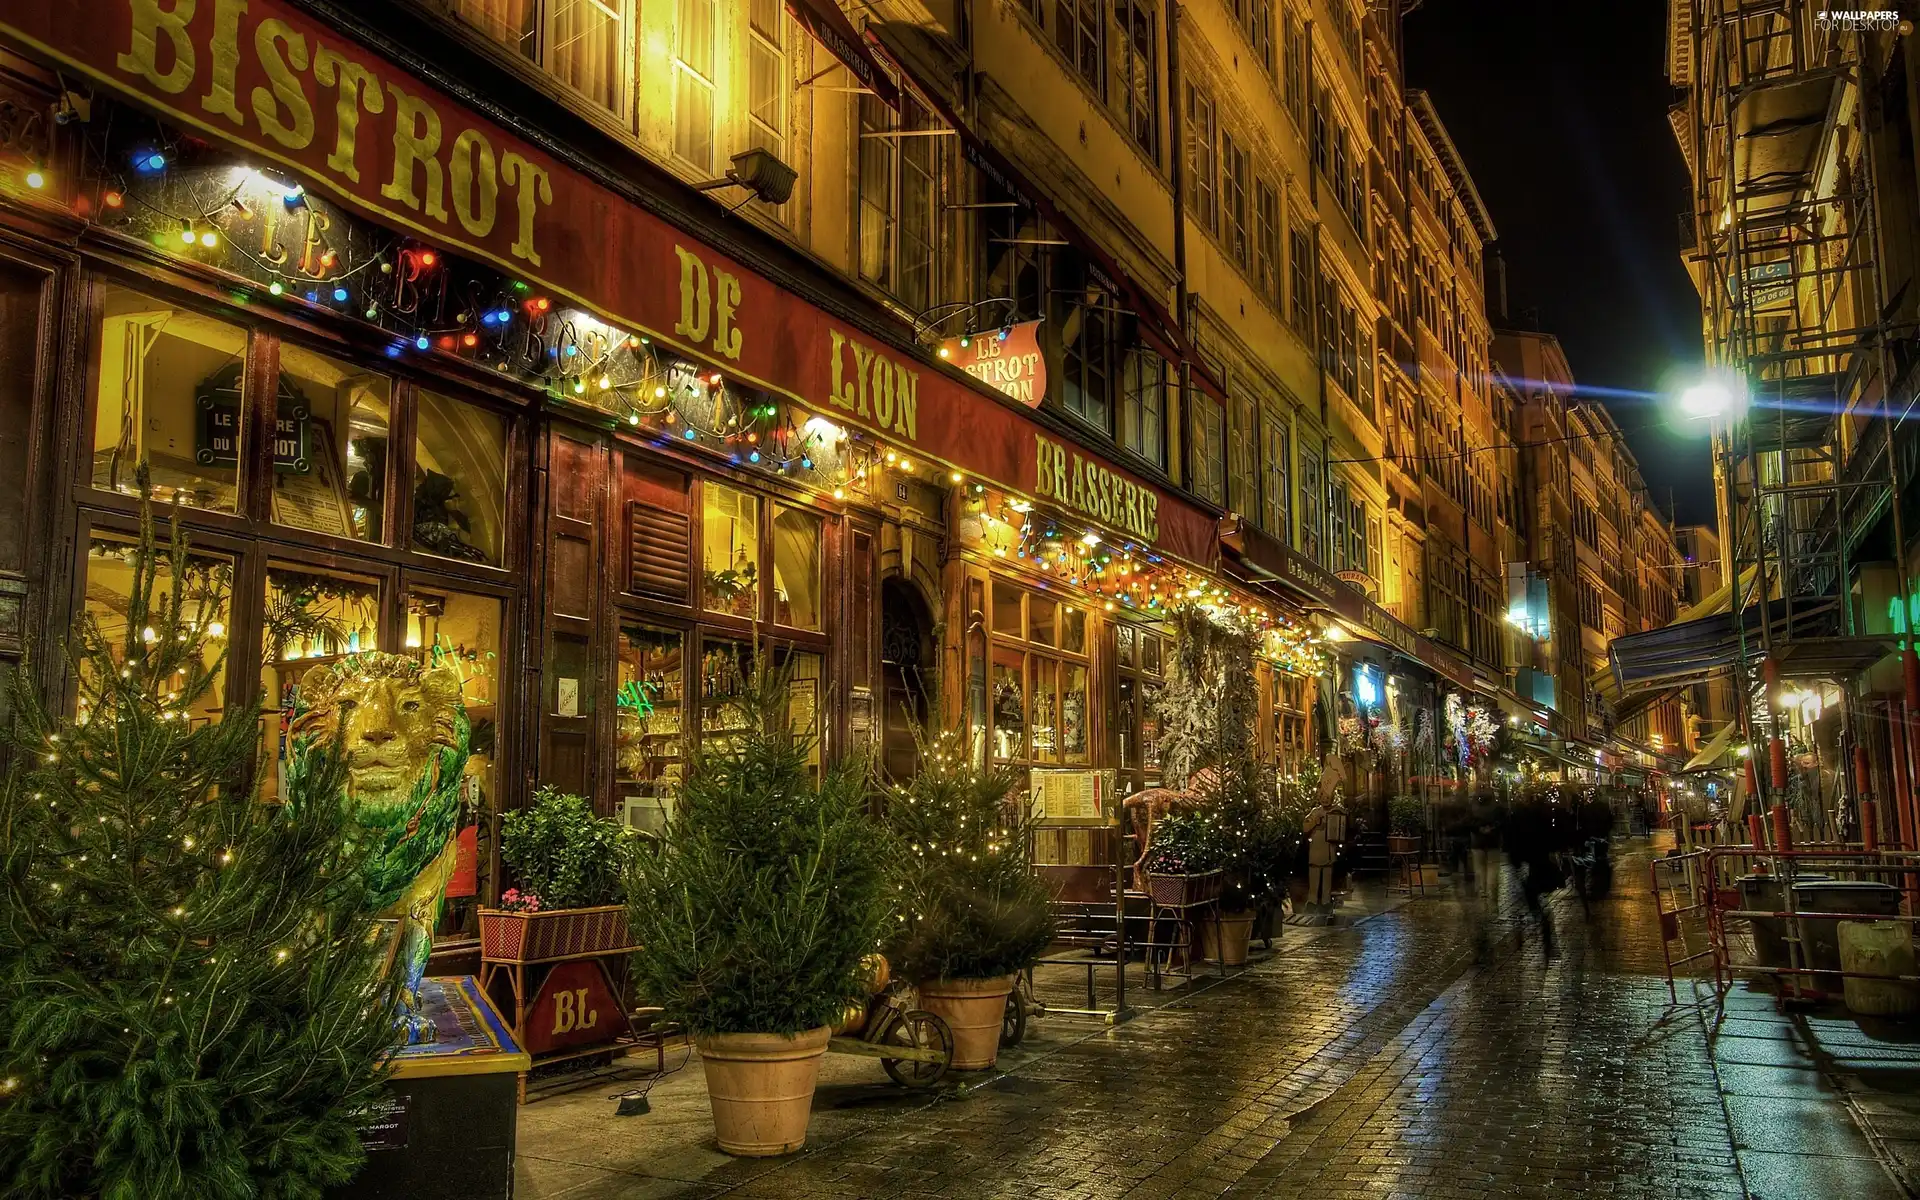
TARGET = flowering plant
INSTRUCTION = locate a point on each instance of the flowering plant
(515, 900)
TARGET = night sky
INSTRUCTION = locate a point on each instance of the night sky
(1560, 110)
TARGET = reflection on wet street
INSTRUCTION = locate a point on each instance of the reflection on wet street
(1432, 1050)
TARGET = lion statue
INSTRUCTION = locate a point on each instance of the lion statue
(403, 729)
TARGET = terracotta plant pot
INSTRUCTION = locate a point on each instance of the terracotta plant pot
(761, 1088)
(1235, 929)
(974, 1009)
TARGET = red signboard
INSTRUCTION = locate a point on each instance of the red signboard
(264, 76)
(1007, 360)
(574, 1007)
(465, 880)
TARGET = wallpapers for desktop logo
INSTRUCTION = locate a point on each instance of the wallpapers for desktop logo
(1860, 20)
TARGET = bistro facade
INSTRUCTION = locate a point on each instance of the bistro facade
(417, 386)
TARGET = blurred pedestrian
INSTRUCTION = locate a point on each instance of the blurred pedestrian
(1485, 836)
(1534, 842)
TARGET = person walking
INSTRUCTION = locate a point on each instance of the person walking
(1485, 837)
(1533, 847)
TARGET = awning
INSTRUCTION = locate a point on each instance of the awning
(1805, 639)
(1157, 325)
(1713, 751)
(823, 20)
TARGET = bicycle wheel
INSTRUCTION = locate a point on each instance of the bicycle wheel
(918, 1030)
(1013, 1026)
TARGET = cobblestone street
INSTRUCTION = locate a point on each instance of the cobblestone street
(1428, 1050)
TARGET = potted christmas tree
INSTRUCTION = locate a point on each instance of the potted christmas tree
(194, 997)
(971, 911)
(754, 910)
(569, 870)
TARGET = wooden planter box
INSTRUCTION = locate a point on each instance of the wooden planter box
(1176, 891)
(522, 937)
(1403, 843)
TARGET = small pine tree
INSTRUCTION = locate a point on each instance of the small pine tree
(969, 905)
(767, 888)
(193, 998)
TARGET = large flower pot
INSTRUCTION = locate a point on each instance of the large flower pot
(1235, 931)
(527, 937)
(974, 1009)
(761, 1088)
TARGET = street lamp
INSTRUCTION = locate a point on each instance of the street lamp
(1711, 398)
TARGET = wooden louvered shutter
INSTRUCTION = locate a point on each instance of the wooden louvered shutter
(659, 533)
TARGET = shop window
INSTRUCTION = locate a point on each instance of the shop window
(578, 42)
(1137, 692)
(1043, 709)
(650, 741)
(313, 617)
(170, 383)
(459, 480)
(730, 534)
(1073, 713)
(1291, 699)
(330, 447)
(726, 671)
(461, 633)
(976, 673)
(1009, 705)
(205, 599)
(1042, 612)
(693, 76)
(796, 568)
(806, 681)
(1073, 629)
(1006, 609)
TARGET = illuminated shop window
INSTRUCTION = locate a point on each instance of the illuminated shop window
(169, 394)
(650, 743)
(206, 600)
(459, 480)
(313, 617)
(796, 568)
(330, 447)
(730, 581)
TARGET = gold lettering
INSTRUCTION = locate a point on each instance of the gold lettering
(693, 296)
(906, 403)
(225, 53)
(839, 391)
(1060, 491)
(298, 134)
(863, 360)
(1150, 516)
(589, 1016)
(532, 190)
(462, 175)
(142, 57)
(726, 299)
(358, 88)
(882, 391)
(564, 1017)
(313, 249)
(1042, 455)
(416, 139)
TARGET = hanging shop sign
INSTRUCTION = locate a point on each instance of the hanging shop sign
(264, 76)
(826, 24)
(1007, 360)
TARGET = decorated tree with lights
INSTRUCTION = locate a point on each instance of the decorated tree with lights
(193, 999)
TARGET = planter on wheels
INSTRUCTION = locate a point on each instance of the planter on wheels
(974, 1009)
(761, 1088)
(1227, 942)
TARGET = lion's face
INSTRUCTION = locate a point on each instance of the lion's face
(392, 714)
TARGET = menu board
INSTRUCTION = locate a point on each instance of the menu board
(1071, 797)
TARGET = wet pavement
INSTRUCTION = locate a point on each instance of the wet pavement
(1429, 1050)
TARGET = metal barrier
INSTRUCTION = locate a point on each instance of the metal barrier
(1683, 908)
(1719, 870)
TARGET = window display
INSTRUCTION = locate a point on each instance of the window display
(312, 616)
(169, 395)
(207, 598)
(330, 446)
(649, 753)
(796, 568)
(730, 531)
(459, 480)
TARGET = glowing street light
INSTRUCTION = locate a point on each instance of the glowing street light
(1710, 399)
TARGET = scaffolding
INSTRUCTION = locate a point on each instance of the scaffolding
(1778, 132)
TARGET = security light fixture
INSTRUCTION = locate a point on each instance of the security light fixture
(758, 171)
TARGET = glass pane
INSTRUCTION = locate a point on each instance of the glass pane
(1123, 639)
(461, 633)
(330, 447)
(1073, 629)
(1128, 696)
(796, 568)
(584, 48)
(1046, 712)
(1009, 705)
(725, 668)
(1040, 619)
(1149, 653)
(313, 617)
(509, 22)
(731, 582)
(1149, 726)
(1006, 609)
(459, 480)
(1073, 713)
(804, 688)
(209, 586)
(649, 745)
(170, 384)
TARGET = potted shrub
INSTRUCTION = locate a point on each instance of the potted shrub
(1406, 824)
(1183, 859)
(569, 867)
(755, 909)
(971, 913)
